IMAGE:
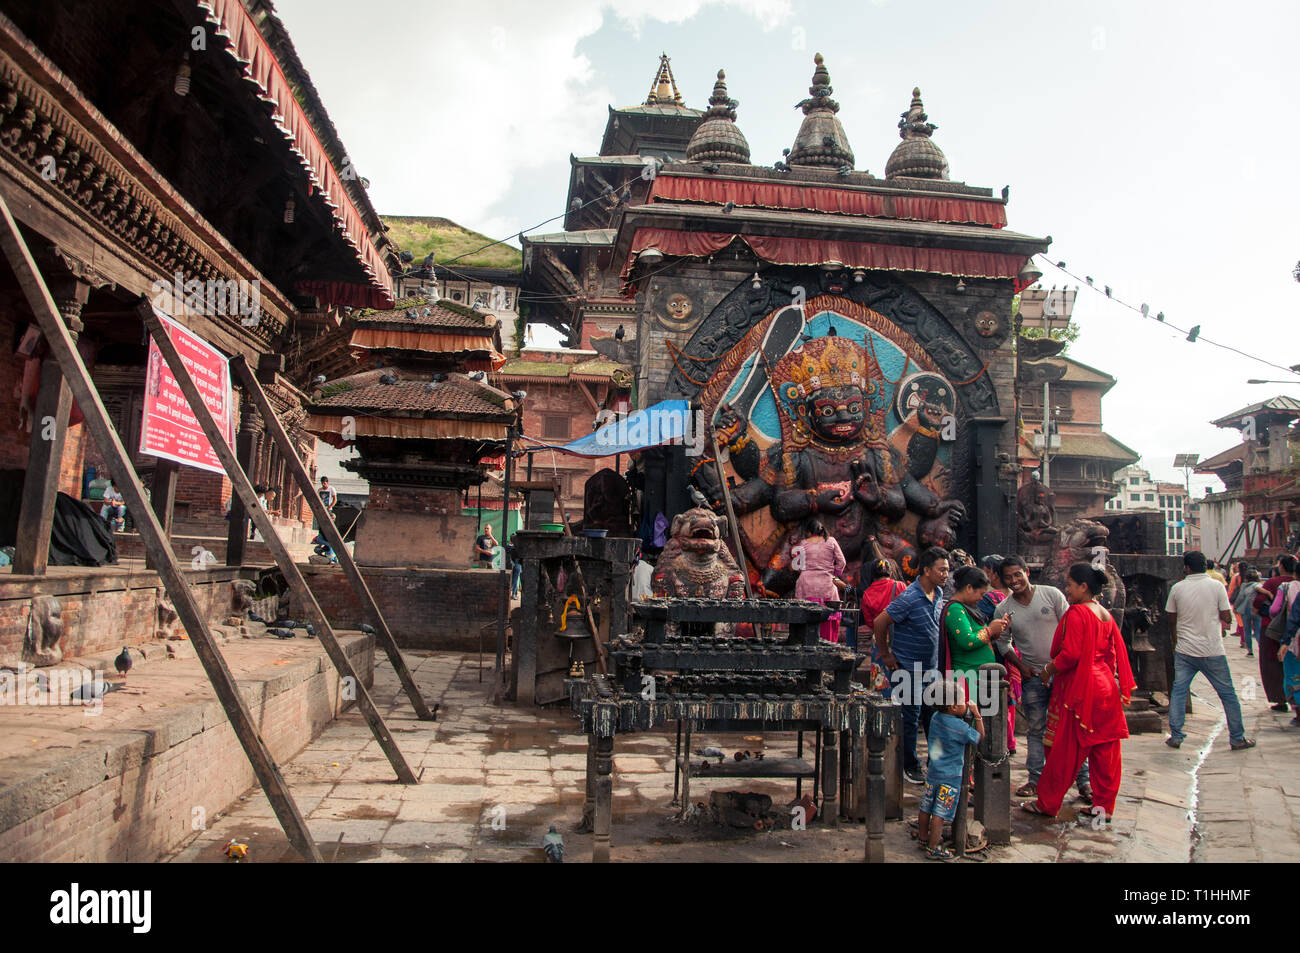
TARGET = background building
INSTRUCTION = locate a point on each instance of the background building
(1082, 471)
(1138, 492)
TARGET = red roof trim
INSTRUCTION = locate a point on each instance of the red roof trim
(234, 24)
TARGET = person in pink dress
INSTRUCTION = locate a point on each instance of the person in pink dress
(821, 573)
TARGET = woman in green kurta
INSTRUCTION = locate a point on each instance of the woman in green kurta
(967, 637)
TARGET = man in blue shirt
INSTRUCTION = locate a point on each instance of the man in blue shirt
(911, 650)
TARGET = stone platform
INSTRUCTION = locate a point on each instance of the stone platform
(159, 759)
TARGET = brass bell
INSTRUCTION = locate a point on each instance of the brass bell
(577, 629)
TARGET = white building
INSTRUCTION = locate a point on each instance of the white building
(1139, 492)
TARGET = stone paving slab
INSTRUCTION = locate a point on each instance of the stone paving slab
(495, 779)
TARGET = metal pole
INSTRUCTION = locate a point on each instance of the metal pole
(503, 594)
(1047, 433)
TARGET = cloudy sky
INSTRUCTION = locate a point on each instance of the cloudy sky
(1155, 142)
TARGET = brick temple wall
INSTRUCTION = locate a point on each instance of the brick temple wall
(424, 608)
(130, 796)
(103, 610)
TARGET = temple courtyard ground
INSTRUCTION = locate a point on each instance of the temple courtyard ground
(495, 778)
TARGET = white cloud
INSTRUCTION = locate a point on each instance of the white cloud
(444, 109)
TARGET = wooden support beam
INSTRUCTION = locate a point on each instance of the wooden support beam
(247, 445)
(110, 445)
(383, 635)
(293, 576)
(45, 454)
(162, 496)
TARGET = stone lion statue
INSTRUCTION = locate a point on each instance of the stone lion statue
(695, 562)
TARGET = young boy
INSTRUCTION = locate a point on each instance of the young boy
(947, 740)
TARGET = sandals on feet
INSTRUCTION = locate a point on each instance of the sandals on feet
(1085, 794)
(1029, 789)
(939, 853)
(1031, 807)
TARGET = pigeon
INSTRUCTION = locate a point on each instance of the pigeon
(1006, 192)
(311, 630)
(477, 375)
(726, 209)
(620, 333)
(713, 752)
(827, 141)
(711, 167)
(844, 169)
(1107, 291)
(1160, 316)
(698, 498)
(388, 379)
(123, 662)
(281, 633)
(318, 379)
(1194, 333)
(90, 691)
(553, 846)
(575, 204)
(367, 628)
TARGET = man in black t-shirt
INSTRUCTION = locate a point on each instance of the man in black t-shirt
(483, 546)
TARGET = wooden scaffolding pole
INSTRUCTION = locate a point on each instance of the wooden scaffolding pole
(155, 542)
(331, 533)
(293, 576)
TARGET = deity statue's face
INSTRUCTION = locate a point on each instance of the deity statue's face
(836, 414)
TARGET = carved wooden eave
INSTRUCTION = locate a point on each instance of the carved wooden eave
(68, 173)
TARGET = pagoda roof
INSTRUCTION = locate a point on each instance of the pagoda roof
(456, 396)
(1221, 461)
(1097, 445)
(1281, 405)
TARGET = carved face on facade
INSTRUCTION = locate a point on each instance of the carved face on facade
(986, 324)
(678, 310)
(835, 414)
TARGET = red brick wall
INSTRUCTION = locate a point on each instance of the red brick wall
(400, 499)
(424, 608)
(143, 805)
(104, 610)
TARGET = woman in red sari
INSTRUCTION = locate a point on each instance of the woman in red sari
(1091, 682)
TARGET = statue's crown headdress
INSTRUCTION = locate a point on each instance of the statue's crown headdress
(825, 362)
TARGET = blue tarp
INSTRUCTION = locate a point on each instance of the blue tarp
(667, 421)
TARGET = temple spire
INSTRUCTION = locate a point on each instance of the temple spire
(821, 140)
(718, 138)
(917, 156)
(663, 90)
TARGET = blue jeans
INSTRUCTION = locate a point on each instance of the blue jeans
(1251, 625)
(516, 573)
(1034, 696)
(1215, 669)
(915, 715)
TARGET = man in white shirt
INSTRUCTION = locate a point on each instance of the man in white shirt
(1199, 614)
(1033, 613)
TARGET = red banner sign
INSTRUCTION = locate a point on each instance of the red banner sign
(169, 429)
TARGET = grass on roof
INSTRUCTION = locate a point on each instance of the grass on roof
(420, 235)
